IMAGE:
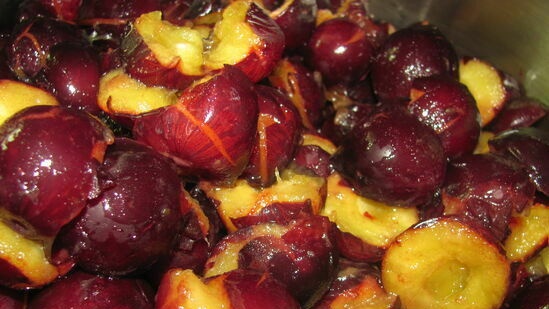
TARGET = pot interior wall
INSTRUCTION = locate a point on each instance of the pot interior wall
(512, 34)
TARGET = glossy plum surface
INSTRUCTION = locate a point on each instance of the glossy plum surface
(278, 132)
(87, 291)
(449, 108)
(415, 51)
(487, 188)
(72, 74)
(136, 219)
(31, 42)
(392, 157)
(38, 167)
(219, 122)
(340, 51)
(529, 147)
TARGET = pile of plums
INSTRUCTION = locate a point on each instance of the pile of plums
(262, 154)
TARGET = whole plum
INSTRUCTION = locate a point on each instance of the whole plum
(136, 219)
(415, 51)
(392, 157)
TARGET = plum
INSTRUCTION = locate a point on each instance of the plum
(357, 284)
(365, 227)
(31, 41)
(241, 203)
(278, 133)
(159, 53)
(83, 290)
(446, 262)
(300, 254)
(448, 107)
(408, 53)
(340, 51)
(392, 157)
(528, 146)
(488, 188)
(210, 131)
(487, 85)
(517, 113)
(299, 83)
(239, 289)
(72, 74)
(136, 219)
(38, 166)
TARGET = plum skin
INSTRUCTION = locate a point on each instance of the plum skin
(392, 157)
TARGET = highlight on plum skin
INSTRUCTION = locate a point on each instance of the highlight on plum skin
(136, 220)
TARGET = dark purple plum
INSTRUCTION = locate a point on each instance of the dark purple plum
(392, 157)
(136, 219)
(357, 284)
(300, 254)
(202, 229)
(415, 51)
(278, 133)
(529, 146)
(210, 131)
(517, 113)
(487, 188)
(344, 119)
(448, 107)
(87, 291)
(47, 175)
(72, 74)
(31, 41)
(301, 85)
(340, 51)
(313, 160)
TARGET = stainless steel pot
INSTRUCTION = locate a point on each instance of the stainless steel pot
(512, 34)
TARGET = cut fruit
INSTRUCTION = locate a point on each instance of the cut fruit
(373, 222)
(243, 200)
(357, 285)
(121, 94)
(23, 262)
(242, 34)
(181, 288)
(486, 84)
(15, 96)
(529, 233)
(446, 262)
(184, 289)
(482, 144)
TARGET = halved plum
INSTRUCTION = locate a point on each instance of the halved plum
(210, 131)
(239, 289)
(159, 53)
(446, 262)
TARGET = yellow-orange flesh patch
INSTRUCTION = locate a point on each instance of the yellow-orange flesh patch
(16, 96)
(119, 94)
(529, 233)
(486, 85)
(445, 263)
(373, 222)
(28, 256)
